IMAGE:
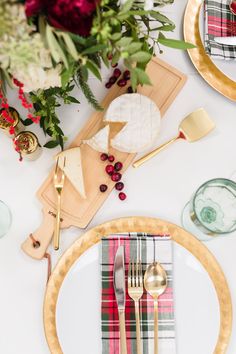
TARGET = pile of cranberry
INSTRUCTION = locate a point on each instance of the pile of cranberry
(113, 170)
(116, 75)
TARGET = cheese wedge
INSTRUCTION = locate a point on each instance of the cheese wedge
(100, 141)
(142, 118)
(73, 168)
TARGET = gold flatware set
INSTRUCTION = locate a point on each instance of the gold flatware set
(154, 282)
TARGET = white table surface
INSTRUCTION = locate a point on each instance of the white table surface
(160, 189)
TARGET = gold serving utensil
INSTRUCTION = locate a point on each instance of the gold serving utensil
(192, 128)
(155, 282)
(135, 291)
(58, 180)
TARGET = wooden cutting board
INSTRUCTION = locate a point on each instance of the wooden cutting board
(167, 82)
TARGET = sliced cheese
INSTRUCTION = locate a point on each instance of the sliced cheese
(142, 118)
(100, 141)
(73, 168)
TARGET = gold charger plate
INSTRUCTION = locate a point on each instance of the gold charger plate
(138, 224)
(201, 60)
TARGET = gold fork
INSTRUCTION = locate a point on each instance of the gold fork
(135, 291)
(58, 185)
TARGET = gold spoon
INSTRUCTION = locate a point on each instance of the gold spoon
(155, 282)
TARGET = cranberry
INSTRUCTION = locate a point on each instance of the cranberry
(108, 85)
(104, 157)
(116, 73)
(119, 186)
(130, 90)
(109, 169)
(116, 177)
(111, 158)
(118, 166)
(122, 82)
(112, 80)
(122, 196)
(126, 75)
(114, 65)
(109, 56)
(103, 188)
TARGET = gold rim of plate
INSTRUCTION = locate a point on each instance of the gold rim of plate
(201, 60)
(138, 224)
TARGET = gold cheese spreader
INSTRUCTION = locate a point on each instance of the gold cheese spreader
(192, 128)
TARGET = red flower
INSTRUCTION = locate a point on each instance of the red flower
(75, 16)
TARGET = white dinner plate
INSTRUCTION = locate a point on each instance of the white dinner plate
(203, 307)
(78, 308)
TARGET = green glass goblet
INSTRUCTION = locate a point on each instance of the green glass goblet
(212, 209)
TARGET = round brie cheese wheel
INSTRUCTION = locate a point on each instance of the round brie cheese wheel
(142, 118)
(100, 141)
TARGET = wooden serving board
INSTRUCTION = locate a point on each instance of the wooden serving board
(167, 82)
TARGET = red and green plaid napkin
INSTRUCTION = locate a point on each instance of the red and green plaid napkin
(147, 248)
(219, 22)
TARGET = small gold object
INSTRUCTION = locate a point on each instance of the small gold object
(155, 282)
(27, 144)
(5, 125)
(58, 185)
(135, 291)
(192, 128)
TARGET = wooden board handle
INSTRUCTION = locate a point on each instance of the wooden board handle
(42, 236)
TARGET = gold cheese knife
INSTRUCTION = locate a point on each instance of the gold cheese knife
(192, 128)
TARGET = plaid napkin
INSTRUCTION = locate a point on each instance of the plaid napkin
(219, 22)
(148, 248)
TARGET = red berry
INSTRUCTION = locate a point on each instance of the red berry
(118, 166)
(119, 186)
(116, 177)
(104, 157)
(108, 85)
(122, 196)
(126, 75)
(103, 188)
(114, 65)
(109, 169)
(122, 82)
(116, 73)
(130, 90)
(109, 56)
(111, 158)
(112, 80)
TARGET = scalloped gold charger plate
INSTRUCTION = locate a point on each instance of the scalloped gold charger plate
(201, 60)
(198, 257)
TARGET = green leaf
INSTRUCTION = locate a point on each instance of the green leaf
(87, 92)
(55, 49)
(27, 122)
(124, 41)
(175, 43)
(143, 78)
(66, 76)
(84, 73)
(94, 69)
(160, 17)
(70, 45)
(166, 28)
(134, 47)
(126, 6)
(115, 58)
(72, 99)
(141, 57)
(51, 144)
(94, 49)
(115, 36)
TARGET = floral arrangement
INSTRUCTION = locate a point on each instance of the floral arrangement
(49, 46)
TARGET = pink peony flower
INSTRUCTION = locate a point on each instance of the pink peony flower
(75, 16)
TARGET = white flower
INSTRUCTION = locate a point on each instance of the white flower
(35, 77)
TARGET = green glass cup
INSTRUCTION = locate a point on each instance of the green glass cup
(212, 209)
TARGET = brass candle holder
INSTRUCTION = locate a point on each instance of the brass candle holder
(17, 124)
(27, 145)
